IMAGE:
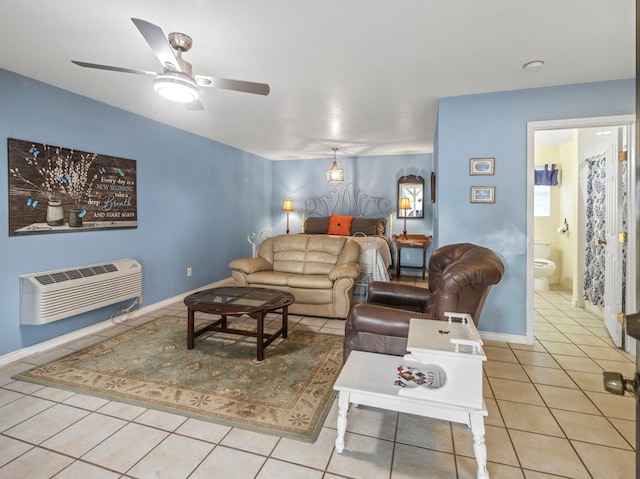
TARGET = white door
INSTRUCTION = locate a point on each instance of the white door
(633, 290)
(613, 284)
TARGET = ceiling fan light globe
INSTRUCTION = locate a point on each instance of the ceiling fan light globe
(176, 87)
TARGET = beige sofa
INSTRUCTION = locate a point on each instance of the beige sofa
(319, 270)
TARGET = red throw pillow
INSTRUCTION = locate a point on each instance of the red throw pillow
(340, 225)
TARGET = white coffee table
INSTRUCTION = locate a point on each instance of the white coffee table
(368, 379)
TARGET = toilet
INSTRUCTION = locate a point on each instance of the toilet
(543, 267)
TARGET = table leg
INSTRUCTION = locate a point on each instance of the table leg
(190, 328)
(424, 260)
(398, 256)
(285, 321)
(479, 446)
(343, 409)
(260, 336)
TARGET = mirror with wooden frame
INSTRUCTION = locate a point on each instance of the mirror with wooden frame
(411, 187)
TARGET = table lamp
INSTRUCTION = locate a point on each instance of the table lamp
(405, 205)
(288, 207)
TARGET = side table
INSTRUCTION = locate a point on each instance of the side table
(449, 351)
(411, 241)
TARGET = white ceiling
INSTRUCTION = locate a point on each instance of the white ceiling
(360, 75)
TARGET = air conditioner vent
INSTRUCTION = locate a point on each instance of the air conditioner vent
(87, 272)
(99, 269)
(59, 277)
(73, 274)
(45, 279)
(54, 295)
(68, 274)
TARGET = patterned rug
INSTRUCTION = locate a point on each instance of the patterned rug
(287, 394)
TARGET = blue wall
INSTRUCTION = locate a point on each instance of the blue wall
(186, 185)
(495, 125)
(375, 175)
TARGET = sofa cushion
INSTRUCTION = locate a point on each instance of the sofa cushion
(289, 253)
(322, 254)
(309, 281)
(271, 278)
(340, 225)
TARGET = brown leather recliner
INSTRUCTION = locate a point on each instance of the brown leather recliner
(460, 276)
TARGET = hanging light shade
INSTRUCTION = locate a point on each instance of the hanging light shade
(335, 174)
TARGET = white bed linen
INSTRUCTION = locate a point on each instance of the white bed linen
(375, 256)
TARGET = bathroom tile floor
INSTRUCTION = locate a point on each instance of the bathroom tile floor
(549, 417)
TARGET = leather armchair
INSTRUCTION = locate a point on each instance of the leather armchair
(460, 277)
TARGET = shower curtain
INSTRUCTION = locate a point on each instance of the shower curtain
(594, 272)
(594, 276)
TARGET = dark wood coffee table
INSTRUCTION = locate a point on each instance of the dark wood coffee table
(236, 301)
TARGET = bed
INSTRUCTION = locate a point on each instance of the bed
(370, 225)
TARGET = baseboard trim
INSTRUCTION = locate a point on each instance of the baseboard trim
(97, 327)
(504, 338)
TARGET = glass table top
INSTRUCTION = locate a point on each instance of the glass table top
(240, 297)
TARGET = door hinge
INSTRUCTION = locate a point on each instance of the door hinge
(621, 317)
(622, 155)
(622, 237)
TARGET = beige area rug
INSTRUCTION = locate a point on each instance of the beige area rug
(287, 394)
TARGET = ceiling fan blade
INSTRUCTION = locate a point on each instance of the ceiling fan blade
(114, 69)
(194, 105)
(158, 42)
(237, 85)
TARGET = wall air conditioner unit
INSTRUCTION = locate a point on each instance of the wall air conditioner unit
(54, 295)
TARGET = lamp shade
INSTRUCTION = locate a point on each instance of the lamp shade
(335, 174)
(405, 203)
(288, 205)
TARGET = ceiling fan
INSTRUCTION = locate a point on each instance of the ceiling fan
(177, 82)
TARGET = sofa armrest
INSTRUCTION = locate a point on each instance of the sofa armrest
(251, 265)
(349, 269)
(398, 295)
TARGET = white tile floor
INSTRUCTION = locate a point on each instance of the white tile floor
(549, 417)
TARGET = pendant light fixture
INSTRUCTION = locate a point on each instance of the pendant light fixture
(335, 174)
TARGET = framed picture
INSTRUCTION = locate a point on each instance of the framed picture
(60, 190)
(483, 194)
(482, 166)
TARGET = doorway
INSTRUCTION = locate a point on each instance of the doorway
(570, 211)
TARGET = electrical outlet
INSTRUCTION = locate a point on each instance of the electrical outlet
(407, 256)
(189, 271)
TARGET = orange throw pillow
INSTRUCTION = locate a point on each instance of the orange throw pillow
(340, 225)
